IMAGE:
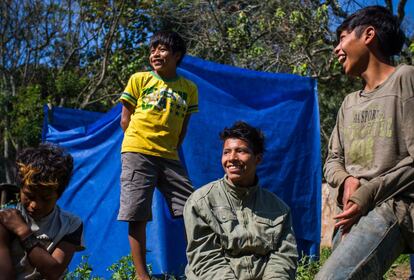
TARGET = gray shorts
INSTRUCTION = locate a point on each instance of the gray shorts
(140, 174)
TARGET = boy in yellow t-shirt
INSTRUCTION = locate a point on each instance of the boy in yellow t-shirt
(156, 109)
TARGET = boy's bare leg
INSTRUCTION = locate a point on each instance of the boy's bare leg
(137, 241)
(6, 266)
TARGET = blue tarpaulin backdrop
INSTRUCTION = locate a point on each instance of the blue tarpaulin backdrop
(284, 106)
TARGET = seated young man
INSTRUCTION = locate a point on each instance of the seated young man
(235, 228)
(37, 238)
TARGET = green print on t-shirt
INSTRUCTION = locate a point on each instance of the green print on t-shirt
(157, 99)
(360, 134)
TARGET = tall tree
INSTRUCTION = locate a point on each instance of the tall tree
(65, 53)
(279, 36)
(79, 53)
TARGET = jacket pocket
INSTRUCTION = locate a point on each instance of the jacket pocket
(226, 222)
(224, 214)
(268, 229)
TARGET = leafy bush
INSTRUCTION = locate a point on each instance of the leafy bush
(308, 267)
(124, 268)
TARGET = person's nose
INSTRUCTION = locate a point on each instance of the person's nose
(34, 205)
(337, 48)
(233, 155)
(156, 52)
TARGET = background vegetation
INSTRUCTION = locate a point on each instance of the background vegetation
(307, 269)
(79, 54)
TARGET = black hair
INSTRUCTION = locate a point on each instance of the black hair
(242, 130)
(47, 167)
(170, 39)
(387, 27)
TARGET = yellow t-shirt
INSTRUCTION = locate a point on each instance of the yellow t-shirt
(160, 108)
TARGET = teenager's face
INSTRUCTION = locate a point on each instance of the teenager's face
(39, 203)
(163, 61)
(352, 53)
(239, 162)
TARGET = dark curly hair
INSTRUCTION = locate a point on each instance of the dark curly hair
(170, 39)
(47, 167)
(244, 131)
(390, 36)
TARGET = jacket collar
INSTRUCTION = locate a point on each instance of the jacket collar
(240, 192)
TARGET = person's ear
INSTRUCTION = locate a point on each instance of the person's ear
(177, 55)
(369, 35)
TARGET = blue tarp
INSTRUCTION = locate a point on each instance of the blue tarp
(284, 106)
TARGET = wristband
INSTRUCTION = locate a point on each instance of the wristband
(30, 242)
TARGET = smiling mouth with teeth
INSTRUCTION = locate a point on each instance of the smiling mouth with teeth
(235, 167)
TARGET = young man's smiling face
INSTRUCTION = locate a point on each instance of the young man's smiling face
(239, 162)
(352, 53)
(38, 203)
(163, 61)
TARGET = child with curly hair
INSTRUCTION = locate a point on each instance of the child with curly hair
(37, 238)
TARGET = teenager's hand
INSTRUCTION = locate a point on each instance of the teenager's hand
(351, 184)
(348, 217)
(13, 221)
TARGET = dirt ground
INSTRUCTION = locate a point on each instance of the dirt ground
(399, 272)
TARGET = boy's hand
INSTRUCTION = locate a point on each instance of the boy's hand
(351, 184)
(352, 212)
(350, 215)
(12, 220)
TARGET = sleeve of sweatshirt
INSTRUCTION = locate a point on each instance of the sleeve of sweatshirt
(204, 254)
(398, 179)
(334, 168)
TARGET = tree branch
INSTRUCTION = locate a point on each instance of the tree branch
(400, 10)
(107, 50)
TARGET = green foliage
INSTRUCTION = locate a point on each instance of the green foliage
(27, 115)
(82, 271)
(411, 48)
(89, 49)
(123, 269)
(308, 267)
(69, 84)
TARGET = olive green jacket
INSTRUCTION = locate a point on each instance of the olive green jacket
(238, 233)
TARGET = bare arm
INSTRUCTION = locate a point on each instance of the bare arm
(6, 266)
(50, 266)
(127, 111)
